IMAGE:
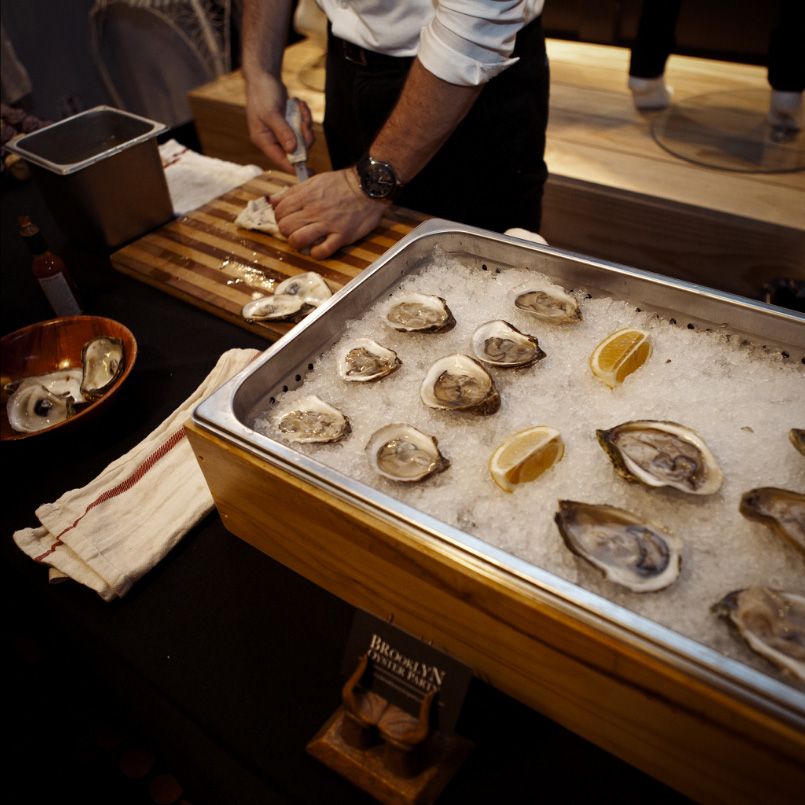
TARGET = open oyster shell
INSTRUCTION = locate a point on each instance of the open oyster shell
(780, 509)
(364, 360)
(772, 623)
(499, 343)
(420, 313)
(657, 453)
(277, 307)
(32, 407)
(628, 551)
(403, 453)
(60, 383)
(313, 420)
(459, 383)
(549, 303)
(102, 361)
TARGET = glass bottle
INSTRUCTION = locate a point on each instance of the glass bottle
(50, 271)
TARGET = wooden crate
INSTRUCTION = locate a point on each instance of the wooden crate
(641, 706)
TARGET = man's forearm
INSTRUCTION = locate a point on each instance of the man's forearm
(427, 113)
(265, 34)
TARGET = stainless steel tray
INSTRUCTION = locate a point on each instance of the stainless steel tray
(231, 411)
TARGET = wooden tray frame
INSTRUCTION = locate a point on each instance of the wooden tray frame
(677, 728)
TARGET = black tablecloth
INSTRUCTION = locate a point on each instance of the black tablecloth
(220, 662)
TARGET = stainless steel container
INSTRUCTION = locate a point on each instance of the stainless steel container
(632, 685)
(101, 175)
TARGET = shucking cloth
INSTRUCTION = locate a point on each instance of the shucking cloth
(194, 179)
(112, 531)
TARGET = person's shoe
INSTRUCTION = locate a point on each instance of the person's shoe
(785, 115)
(650, 93)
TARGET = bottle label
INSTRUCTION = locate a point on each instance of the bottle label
(60, 295)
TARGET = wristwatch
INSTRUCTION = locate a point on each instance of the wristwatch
(378, 179)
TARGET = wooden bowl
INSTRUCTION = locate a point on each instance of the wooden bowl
(49, 346)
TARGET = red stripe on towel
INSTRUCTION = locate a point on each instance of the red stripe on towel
(122, 487)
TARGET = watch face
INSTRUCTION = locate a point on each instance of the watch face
(377, 179)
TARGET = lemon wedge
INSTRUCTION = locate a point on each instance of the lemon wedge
(620, 354)
(524, 456)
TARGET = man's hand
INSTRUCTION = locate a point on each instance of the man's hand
(268, 129)
(328, 210)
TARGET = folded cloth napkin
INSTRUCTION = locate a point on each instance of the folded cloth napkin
(194, 179)
(525, 234)
(115, 529)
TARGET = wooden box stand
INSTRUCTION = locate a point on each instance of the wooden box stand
(390, 754)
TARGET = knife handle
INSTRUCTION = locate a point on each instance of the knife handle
(293, 116)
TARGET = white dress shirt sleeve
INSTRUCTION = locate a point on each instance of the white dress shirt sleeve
(468, 42)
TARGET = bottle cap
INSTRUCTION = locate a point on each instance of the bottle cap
(27, 226)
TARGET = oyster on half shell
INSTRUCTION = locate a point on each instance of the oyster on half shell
(459, 383)
(59, 383)
(420, 313)
(499, 343)
(310, 287)
(626, 549)
(657, 453)
(277, 307)
(102, 361)
(780, 509)
(403, 453)
(364, 360)
(549, 303)
(32, 407)
(772, 622)
(310, 420)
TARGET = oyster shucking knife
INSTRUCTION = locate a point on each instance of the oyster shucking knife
(298, 158)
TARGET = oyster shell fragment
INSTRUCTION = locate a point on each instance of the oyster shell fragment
(102, 361)
(772, 623)
(420, 313)
(32, 407)
(657, 453)
(549, 303)
(499, 343)
(403, 453)
(459, 383)
(780, 509)
(628, 551)
(313, 420)
(797, 437)
(364, 360)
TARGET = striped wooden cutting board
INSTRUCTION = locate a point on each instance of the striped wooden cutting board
(204, 259)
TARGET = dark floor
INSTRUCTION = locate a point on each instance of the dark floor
(70, 739)
(70, 742)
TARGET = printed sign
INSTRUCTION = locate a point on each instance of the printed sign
(403, 669)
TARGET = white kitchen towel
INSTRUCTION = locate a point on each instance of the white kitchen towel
(112, 531)
(194, 179)
(526, 234)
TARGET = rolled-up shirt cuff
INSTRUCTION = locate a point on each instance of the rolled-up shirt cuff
(457, 60)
